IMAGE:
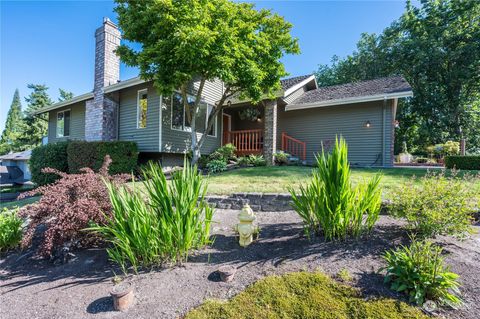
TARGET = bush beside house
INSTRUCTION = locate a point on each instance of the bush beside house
(51, 155)
(468, 162)
(74, 155)
(81, 154)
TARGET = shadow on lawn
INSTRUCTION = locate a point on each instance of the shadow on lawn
(279, 243)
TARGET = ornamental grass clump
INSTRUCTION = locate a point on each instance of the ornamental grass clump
(162, 225)
(68, 206)
(330, 205)
(418, 270)
(437, 205)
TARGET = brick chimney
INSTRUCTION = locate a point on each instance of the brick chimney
(101, 112)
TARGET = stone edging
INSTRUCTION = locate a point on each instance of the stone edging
(267, 202)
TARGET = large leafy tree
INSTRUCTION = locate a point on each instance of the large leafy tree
(35, 125)
(13, 125)
(436, 47)
(188, 41)
(64, 95)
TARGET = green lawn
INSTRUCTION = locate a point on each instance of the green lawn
(276, 179)
(19, 203)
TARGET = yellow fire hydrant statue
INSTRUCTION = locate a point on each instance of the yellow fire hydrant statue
(245, 228)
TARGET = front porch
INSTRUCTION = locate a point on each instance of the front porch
(253, 131)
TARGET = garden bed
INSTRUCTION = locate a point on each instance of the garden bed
(35, 288)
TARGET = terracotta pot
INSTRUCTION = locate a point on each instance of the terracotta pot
(227, 273)
(122, 295)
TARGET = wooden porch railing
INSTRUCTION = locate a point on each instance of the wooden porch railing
(294, 147)
(246, 141)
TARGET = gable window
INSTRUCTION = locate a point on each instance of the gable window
(142, 108)
(63, 123)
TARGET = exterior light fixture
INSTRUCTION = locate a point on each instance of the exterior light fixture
(367, 124)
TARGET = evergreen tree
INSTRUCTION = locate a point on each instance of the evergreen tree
(13, 126)
(35, 126)
(65, 95)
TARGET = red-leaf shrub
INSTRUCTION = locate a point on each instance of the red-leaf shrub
(68, 206)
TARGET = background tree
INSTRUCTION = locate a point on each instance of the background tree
(13, 125)
(197, 41)
(35, 126)
(436, 48)
(65, 95)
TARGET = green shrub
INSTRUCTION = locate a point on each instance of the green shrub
(10, 230)
(243, 161)
(52, 155)
(421, 160)
(227, 152)
(172, 219)
(435, 204)
(451, 148)
(419, 272)
(330, 204)
(216, 166)
(468, 162)
(257, 160)
(82, 154)
(281, 158)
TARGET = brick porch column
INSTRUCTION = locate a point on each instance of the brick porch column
(270, 134)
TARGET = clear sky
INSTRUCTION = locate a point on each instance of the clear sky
(52, 42)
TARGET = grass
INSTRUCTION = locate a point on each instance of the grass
(303, 295)
(275, 179)
(19, 203)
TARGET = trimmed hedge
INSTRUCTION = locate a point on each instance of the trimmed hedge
(81, 154)
(468, 162)
(51, 155)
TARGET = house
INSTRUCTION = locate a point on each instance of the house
(14, 168)
(301, 118)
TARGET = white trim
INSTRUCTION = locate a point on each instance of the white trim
(160, 125)
(299, 85)
(56, 123)
(123, 84)
(215, 124)
(140, 92)
(350, 100)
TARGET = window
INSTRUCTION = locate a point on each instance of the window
(142, 108)
(63, 123)
(180, 120)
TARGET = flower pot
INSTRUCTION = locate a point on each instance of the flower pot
(227, 273)
(122, 295)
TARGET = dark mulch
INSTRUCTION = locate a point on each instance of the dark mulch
(32, 288)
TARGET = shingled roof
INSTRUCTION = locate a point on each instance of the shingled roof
(387, 85)
(289, 82)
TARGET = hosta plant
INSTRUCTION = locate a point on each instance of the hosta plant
(418, 270)
(10, 229)
(161, 225)
(330, 204)
(67, 207)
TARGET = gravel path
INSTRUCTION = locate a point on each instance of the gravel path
(31, 288)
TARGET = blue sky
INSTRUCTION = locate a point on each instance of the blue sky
(51, 42)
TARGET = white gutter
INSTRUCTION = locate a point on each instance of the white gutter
(80, 98)
(350, 100)
(123, 85)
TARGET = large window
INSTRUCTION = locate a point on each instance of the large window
(180, 118)
(142, 108)
(63, 123)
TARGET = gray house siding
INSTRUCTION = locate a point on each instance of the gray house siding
(294, 95)
(367, 146)
(177, 141)
(77, 123)
(146, 138)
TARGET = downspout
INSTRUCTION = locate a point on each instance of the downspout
(383, 129)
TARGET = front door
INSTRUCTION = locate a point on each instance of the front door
(227, 127)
